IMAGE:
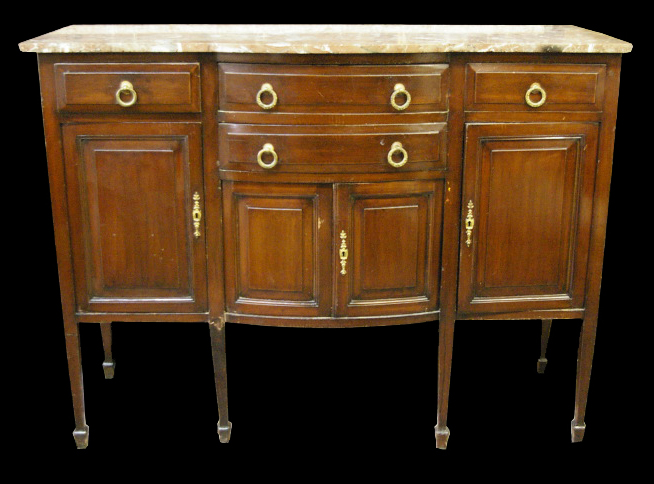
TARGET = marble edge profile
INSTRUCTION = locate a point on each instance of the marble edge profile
(54, 47)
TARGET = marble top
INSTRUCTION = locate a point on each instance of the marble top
(324, 39)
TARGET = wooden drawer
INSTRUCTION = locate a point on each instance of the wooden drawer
(332, 89)
(332, 149)
(159, 87)
(503, 87)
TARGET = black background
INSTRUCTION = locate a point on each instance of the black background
(325, 393)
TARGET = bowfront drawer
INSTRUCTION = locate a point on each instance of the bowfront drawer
(332, 149)
(269, 88)
(128, 87)
(535, 87)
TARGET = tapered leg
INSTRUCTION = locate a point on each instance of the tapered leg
(584, 364)
(217, 329)
(445, 343)
(544, 338)
(81, 433)
(109, 364)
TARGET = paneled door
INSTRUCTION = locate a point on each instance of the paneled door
(135, 200)
(527, 203)
(277, 248)
(387, 237)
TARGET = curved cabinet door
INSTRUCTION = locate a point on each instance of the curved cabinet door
(392, 232)
(277, 248)
(130, 189)
(527, 199)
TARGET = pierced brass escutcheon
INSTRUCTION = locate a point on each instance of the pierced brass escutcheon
(342, 252)
(196, 214)
(470, 223)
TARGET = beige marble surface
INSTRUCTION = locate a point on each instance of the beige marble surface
(324, 39)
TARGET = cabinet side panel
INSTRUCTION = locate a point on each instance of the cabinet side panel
(57, 180)
(602, 187)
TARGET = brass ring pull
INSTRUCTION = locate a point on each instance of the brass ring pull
(267, 148)
(535, 87)
(267, 88)
(399, 89)
(397, 148)
(126, 87)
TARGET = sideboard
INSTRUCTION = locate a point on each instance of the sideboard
(322, 176)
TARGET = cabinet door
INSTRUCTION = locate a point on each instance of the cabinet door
(390, 234)
(527, 196)
(130, 189)
(277, 248)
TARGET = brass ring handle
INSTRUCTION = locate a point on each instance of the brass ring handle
(267, 148)
(126, 87)
(267, 88)
(397, 148)
(400, 89)
(535, 87)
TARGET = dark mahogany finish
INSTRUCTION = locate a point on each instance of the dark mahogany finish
(278, 248)
(332, 149)
(502, 86)
(130, 186)
(161, 87)
(269, 250)
(394, 235)
(531, 188)
(332, 89)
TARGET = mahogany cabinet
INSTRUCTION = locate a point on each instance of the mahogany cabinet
(389, 178)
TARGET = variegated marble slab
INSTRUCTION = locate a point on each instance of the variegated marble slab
(324, 39)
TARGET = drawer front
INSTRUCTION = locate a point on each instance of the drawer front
(551, 87)
(146, 87)
(333, 89)
(332, 149)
